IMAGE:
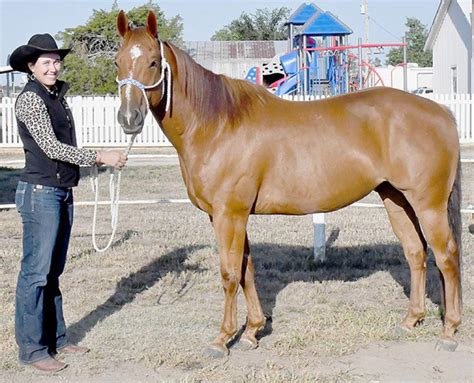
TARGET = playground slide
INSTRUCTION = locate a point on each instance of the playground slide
(287, 86)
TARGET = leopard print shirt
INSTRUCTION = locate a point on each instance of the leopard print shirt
(31, 110)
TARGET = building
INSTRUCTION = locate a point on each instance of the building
(233, 58)
(417, 77)
(450, 39)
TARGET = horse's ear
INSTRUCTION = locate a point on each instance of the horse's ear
(151, 25)
(122, 24)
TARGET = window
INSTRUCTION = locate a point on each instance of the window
(454, 79)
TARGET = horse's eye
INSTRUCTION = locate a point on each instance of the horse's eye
(154, 64)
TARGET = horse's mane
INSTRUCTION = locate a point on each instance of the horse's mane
(215, 97)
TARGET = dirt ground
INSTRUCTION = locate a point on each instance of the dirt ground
(148, 307)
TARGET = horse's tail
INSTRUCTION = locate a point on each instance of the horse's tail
(454, 217)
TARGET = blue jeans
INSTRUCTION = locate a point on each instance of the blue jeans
(47, 215)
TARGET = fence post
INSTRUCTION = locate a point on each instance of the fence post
(319, 226)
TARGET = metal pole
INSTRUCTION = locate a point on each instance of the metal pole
(290, 36)
(13, 82)
(304, 65)
(361, 81)
(8, 85)
(405, 69)
(347, 70)
(8, 77)
(298, 65)
(366, 28)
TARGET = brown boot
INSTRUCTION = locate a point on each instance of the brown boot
(73, 349)
(49, 365)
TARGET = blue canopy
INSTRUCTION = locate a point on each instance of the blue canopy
(325, 24)
(303, 14)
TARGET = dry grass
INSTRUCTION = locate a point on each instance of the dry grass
(149, 306)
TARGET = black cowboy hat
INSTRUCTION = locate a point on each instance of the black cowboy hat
(37, 45)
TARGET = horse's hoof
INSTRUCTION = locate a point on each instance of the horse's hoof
(246, 345)
(216, 351)
(402, 331)
(445, 344)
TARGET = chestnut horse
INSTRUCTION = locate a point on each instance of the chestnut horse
(245, 151)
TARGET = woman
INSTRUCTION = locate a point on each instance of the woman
(45, 202)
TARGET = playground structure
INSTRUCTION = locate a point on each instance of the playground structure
(320, 61)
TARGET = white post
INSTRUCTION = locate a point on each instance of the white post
(360, 52)
(319, 226)
(405, 65)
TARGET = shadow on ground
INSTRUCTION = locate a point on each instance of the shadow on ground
(276, 267)
(102, 240)
(131, 286)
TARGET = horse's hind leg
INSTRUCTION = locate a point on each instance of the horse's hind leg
(407, 229)
(255, 317)
(435, 224)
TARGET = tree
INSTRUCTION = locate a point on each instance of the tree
(89, 68)
(265, 24)
(416, 37)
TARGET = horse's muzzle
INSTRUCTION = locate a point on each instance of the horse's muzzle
(132, 123)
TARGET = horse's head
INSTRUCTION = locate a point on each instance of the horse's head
(139, 68)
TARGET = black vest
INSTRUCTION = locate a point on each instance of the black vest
(39, 168)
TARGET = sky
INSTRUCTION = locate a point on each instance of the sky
(20, 19)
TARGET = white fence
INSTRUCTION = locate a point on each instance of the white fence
(97, 126)
(463, 109)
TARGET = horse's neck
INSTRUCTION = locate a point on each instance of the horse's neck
(186, 123)
(203, 105)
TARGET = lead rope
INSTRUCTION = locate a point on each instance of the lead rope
(114, 191)
(114, 182)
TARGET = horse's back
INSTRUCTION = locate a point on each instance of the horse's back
(332, 152)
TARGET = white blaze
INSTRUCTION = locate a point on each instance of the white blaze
(135, 52)
(128, 91)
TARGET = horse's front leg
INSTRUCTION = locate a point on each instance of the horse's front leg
(230, 228)
(255, 317)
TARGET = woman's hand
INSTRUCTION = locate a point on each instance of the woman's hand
(112, 158)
